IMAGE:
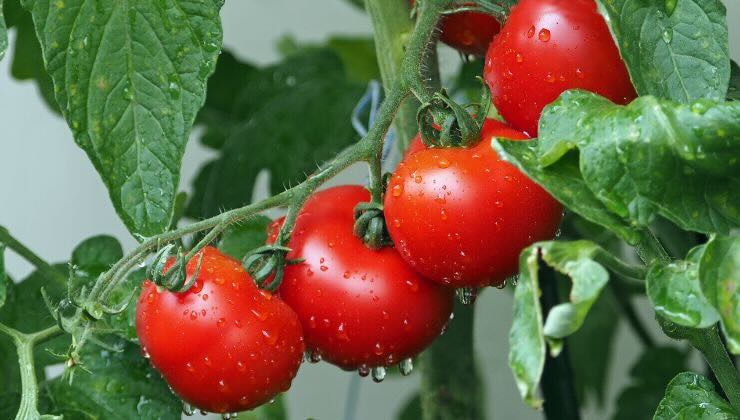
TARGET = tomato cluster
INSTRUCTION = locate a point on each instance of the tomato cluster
(458, 217)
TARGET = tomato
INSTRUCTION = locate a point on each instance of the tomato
(223, 345)
(468, 32)
(461, 216)
(547, 47)
(359, 308)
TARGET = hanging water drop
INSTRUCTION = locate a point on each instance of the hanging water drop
(406, 366)
(502, 285)
(378, 373)
(187, 409)
(668, 35)
(467, 295)
(363, 370)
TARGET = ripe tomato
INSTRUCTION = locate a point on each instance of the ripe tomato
(223, 345)
(461, 216)
(359, 308)
(468, 32)
(547, 47)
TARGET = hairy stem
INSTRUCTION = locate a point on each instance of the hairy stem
(710, 344)
(44, 267)
(24, 344)
(451, 387)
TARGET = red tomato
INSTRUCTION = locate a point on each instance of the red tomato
(468, 32)
(223, 345)
(461, 216)
(547, 47)
(359, 308)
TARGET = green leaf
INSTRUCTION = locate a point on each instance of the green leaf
(241, 238)
(564, 181)
(680, 54)
(733, 91)
(574, 259)
(675, 292)
(121, 385)
(4, 280)
(692, 396)
(3, 33)
(529, 333)
(650, 374)
(276, 410)
(719, 273)
(286, 119)
(651, 157)
(129, 77)
(526, 337)
(357, 54)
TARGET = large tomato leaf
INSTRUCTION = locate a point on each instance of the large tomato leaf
(719, 274)
(120, 385)
(652, 371)
(91, 258)
(652, 157)
(529, 333)
(676, 49)
(285, 119)
(692, 396)
(129, 77)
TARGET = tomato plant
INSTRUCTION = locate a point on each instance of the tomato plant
(547, 47)
(223, 345)
(444, 207)
(360, 308)
(616, 122)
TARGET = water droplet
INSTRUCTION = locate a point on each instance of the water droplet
(259, 315)
(240, 366)
(530, 32)
(418, 179)
(378, 373)
(396, 223)
(145, 353)
(221, 322)
(397, 190)
(413, 285)
(207, 361)
(222, 385)
(363, 370)
(579, 73)
(346, 274)
(668, 35)
(443, 163)
(187, 409)
(267, 295)
(189, 366)
(406, 366)
(378, 350)
(205, 297)
(502, 285)
(324, 268)
(313, 356)
(443, 214)
(467, 295)
(519, 58)
(150, 297)
(341, 333)
(549, 78)
(270, 337)
(544, 35)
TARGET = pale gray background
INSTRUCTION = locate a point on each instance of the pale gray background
(51, 198)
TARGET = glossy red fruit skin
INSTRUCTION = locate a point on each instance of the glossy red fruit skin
(547, 47)
(468, 32)
(358, 307)
(460, 216)
(223, 345)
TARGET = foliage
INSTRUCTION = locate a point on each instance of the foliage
(132, 78)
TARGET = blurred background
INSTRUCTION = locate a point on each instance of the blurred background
(51, 198)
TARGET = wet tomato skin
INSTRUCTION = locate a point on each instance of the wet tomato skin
(358, 307)
(547, 47)
(461, 216)
(223, 345)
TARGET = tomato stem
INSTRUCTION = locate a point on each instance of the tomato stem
(24, 344)
(708, 341)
